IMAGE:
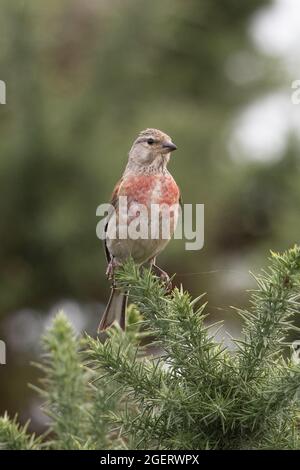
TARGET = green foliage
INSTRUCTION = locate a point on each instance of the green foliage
(199, 394)
(273, 305)
(15, 437)
(166, 383)
(64, 385)
(76, 408)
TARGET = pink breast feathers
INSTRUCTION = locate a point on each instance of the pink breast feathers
(169, 191)
(151, 189)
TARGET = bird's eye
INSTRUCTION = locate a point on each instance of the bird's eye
(150, 141)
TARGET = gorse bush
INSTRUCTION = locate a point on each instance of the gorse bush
(166, 383)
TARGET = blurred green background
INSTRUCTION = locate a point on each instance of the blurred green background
(83, 77)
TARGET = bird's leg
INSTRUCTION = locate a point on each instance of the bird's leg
(110, 271)
(161, 274)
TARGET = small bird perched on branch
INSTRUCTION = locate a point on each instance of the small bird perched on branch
(146, 183)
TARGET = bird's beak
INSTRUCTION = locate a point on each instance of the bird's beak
(169, 146)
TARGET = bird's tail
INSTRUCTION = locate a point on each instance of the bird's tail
(115, 310)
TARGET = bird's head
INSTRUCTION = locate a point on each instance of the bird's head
(151, 148)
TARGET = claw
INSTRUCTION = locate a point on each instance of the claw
(110, 271)
(165, 278)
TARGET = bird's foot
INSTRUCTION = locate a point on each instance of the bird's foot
(110, 271)
(164, 277)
